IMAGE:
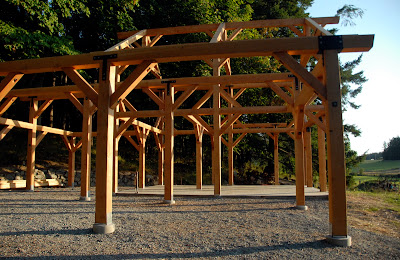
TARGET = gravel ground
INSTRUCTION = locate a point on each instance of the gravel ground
(53, 224)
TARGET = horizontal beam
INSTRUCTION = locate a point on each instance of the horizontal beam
(223, 111)
(186, 52)
(261, 130)
(230, 26)
(25, 125)
(253, 80)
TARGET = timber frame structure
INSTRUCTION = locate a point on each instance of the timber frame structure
(298, 88)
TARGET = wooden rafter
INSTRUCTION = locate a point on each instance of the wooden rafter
(306, 77)
(82, 84)
(131, 82)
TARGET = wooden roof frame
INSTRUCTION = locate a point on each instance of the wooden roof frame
(298, 90)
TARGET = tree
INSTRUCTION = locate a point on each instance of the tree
(391, 151)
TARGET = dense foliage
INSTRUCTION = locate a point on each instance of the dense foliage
(391, 151)
(31, 29)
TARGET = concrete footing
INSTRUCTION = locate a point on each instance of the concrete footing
(301, 207)
(170, 202)
(85, 198)
(100, 228)
(344, 241)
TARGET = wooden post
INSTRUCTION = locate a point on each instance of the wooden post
(299, 168)
(71, 163)
(276, 159)
(169, 145)
(230, 148)
(142, 158)
(31, 151)
(308, 157)
(115, 164)
(115, 144)
(199, 157)
(336, 155)
(216, 152)
(86, 150)
(322, 160)
(161, 166)
(104, 154)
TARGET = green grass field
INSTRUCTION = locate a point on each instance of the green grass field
(379, 167)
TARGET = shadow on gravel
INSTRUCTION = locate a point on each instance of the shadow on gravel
(84, 231)
(234, 252)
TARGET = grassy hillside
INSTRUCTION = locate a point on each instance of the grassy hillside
(379, 167)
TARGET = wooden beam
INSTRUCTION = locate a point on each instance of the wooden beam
(125, 43)
(131, 82)
(6, 105)
(5, 131)
(82, 84)
(218, 34)
(74, 101)
(304, 76)
(132, 142)
(31, 126)
(43, 107)
(154, 97)
(282, 94)
(231, 26)
(316, 26)
(185, 52)
(184, 96)
(8, 83)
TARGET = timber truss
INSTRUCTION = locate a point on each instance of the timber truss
(117, 117)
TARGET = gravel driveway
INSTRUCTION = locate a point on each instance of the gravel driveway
(53, 224)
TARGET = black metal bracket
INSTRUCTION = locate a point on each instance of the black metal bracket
(104, 58)
(330, 42)
(296, 81)
(168, 82)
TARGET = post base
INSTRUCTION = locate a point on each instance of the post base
(301, 207)
(101, 228)
(85, 198)
(344, 241)
(170, 202)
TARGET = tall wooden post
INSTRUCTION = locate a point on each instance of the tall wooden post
(199, 157)
(216, 152)
(86, 150)
(336, 155)
(115, 165)
(322, 160)
(299, 169)
(104, 154)
(230, 148)
(31, 151)
(276, 159)
(115, 157)
(161, 166)
(142, 158)
(308, 157)
(71, 163)
(169, 145)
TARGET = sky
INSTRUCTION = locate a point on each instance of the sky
(378, 117)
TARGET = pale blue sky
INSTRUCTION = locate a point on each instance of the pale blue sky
(378, 116)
